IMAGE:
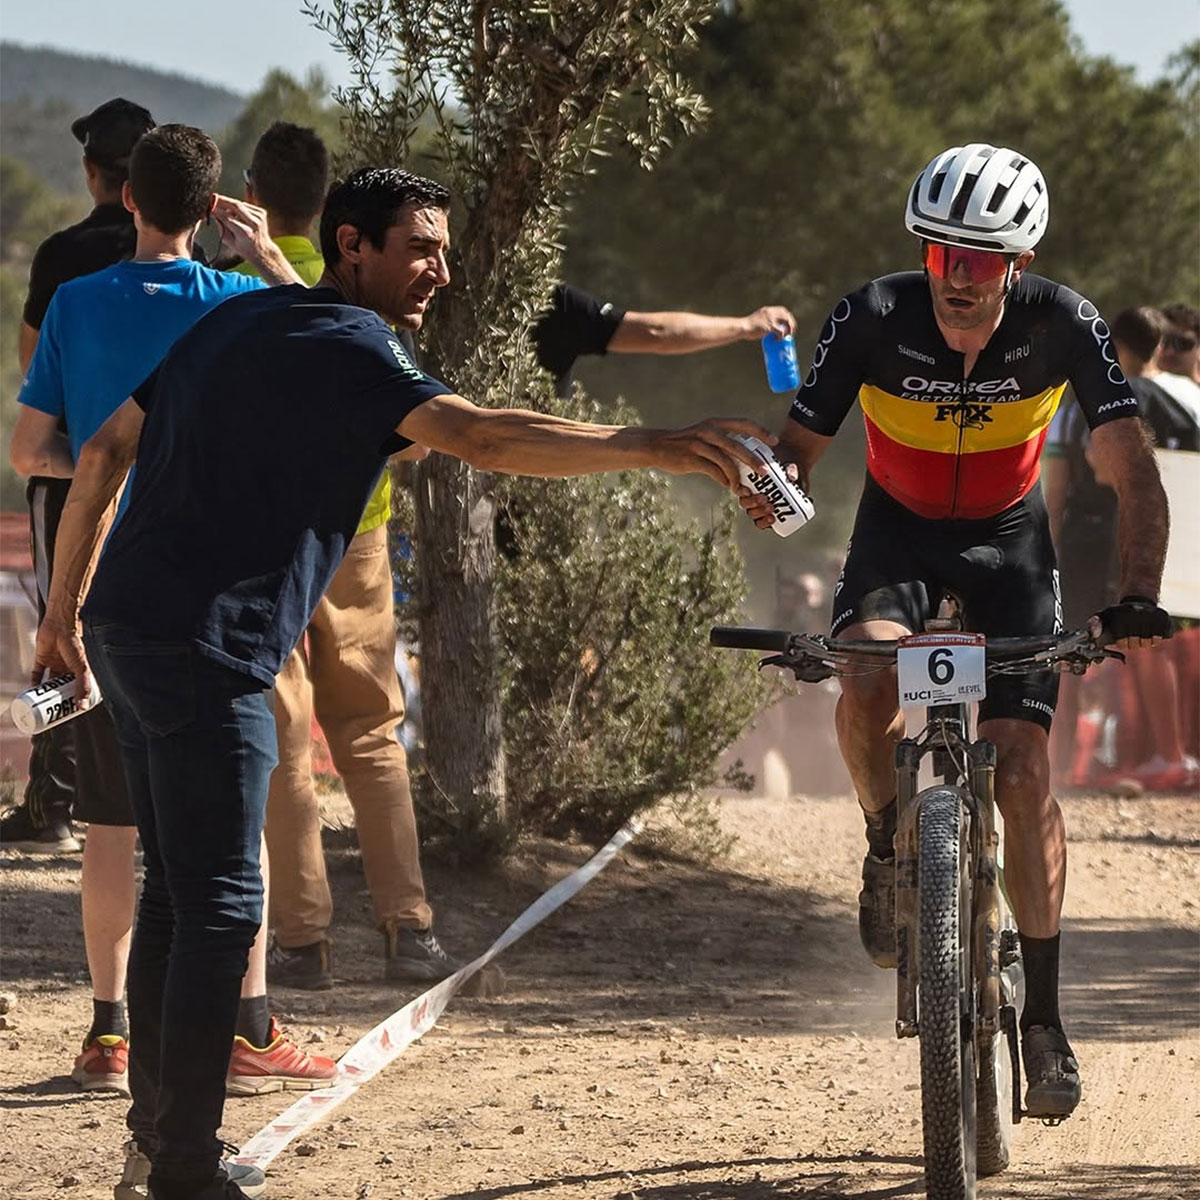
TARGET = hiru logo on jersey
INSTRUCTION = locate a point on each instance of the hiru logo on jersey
(965, 415)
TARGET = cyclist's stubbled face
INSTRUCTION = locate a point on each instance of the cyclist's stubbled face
(960, 304)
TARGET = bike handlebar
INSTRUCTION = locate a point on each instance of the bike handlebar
(733, 637)
(816, 657)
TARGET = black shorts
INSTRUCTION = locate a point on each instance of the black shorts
(1001, 568)
(101, 793)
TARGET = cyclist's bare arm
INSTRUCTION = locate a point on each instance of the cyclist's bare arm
(800, 448)
(1123, 458)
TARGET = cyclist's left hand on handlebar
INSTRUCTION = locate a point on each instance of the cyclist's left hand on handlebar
(1133, 623)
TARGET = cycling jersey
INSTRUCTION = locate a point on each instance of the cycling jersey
(942, 445)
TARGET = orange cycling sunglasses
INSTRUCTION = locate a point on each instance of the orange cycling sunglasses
(980, 265)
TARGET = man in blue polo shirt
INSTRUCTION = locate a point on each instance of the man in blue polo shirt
(217, 568)
(101, 336)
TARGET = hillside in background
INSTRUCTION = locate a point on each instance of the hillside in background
(43, 90)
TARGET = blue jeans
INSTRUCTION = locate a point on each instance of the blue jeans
(198, 744)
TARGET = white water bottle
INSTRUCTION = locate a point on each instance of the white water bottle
(49, 703)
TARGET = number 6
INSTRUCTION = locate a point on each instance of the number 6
(941, 666)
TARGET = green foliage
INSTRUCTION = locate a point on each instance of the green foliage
(613, 698)
(515, 102)
(29, 211)
(280, 97)
(793, 192)
(42, 91)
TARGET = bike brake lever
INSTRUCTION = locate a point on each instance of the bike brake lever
(805, 669)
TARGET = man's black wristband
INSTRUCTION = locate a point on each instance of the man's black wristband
(1139, 600)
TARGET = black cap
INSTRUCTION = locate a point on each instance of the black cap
(108, 134)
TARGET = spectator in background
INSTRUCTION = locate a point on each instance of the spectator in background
(1082, 508)
(344, 671)
(102, 336)
(577, 323)
(42, 824)
(1179, 356)
(1137, 334)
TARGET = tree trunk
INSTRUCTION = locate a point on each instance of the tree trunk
(460, 680)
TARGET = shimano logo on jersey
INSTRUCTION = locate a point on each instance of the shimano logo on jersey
(1127, 402)
(1020, 352)
(961, 387)
(1040, 705)
(925, 358)
(840, 619)
(965, 416)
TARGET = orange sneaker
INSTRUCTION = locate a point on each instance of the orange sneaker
(104, 1065)
(279, 1066)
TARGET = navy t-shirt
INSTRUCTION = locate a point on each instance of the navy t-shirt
(267, 425)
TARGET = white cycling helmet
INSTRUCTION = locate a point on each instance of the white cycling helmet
(981, 196)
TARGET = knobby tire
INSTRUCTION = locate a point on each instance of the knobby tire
(944, 1005)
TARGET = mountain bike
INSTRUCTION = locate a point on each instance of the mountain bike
(959, 977)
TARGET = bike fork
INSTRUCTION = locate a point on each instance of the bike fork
(908, 761)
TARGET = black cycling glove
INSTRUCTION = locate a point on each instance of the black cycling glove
(1134, 617)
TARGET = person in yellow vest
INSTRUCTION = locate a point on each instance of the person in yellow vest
(343, 670)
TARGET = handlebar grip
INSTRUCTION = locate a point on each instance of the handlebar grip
(737, 637)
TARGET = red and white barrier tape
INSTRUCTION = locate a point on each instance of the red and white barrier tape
(392, 1036)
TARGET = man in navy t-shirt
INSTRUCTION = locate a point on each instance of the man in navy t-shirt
(262, 435)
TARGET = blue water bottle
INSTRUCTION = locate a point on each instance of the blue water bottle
(779, 353)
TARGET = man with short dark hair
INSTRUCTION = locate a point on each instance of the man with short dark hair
(42, 824)
(343, 672)
(215, 571)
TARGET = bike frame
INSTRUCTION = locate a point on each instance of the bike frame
(970, 769)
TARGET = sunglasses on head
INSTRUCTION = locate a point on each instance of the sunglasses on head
(980, 265)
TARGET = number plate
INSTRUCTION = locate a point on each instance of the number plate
(941, 668)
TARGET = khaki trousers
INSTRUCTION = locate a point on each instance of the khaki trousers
(343, 670)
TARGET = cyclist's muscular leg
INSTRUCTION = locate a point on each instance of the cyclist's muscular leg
(870, 722)
(1035, 841)
(1035, 869)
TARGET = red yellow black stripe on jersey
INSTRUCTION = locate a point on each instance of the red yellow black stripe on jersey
(941, 453)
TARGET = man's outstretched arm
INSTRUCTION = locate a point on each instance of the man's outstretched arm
(520, 442)
(684, 333)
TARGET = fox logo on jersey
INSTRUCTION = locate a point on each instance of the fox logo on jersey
(965, 416)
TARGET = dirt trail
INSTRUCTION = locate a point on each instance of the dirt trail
(677, 1033)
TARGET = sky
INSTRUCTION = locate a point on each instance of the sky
(235, 42)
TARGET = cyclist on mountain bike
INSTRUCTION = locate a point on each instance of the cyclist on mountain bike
(958, 371)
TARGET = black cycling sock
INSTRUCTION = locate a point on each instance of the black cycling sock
(881, 832)
(1041, 982)
(254, 1020)
(108, 1017)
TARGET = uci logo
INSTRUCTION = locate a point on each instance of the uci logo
(965, 416)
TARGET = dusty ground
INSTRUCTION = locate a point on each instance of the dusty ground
(676, 1033)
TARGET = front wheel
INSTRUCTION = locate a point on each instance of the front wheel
(945, 997)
